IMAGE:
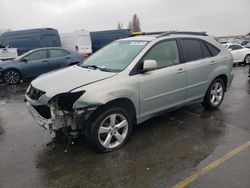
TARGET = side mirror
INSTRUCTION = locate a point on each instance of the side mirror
(149, 65)
(25, 60)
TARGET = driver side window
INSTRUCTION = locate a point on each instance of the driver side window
(42, 54)
(165, 54)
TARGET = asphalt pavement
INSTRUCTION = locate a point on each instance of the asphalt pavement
(166, 151)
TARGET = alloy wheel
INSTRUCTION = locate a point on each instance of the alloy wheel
(247, 59)
(113, 130)
(216, 94)
(12, 77)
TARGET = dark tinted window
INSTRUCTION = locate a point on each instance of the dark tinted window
(37, 55)
(205, 50)
(51, 40)
(213, 50)
(24, 42)
(57, 53)
(191, 49)
(165, 54)
(235, 47)
(245, 42)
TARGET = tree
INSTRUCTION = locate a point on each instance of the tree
(119, 25)
(130, 26)
(134, 25)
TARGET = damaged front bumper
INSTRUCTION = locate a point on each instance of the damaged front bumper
(58, 112)
(43, 122)
(55, 119)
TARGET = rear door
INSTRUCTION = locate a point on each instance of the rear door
(198, 56)
(58, 58)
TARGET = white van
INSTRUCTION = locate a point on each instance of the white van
(78, 41)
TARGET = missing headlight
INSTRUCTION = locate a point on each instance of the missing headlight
(66, 100)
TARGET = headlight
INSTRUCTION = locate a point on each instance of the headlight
(66, 100)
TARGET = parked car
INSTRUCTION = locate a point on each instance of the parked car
(247, 46)
(241, 55)
(37, 62)
(245, 42)
(78, 41)
(26, 40)
(7, 53)
(128, 82)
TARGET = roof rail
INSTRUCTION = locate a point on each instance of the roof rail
(148, 33)
(182, 33)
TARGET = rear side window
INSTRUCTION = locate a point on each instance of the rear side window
(57, 53)
(191, 50)
(235, 47)
(41, 54)
(205, 50)
(213, 50)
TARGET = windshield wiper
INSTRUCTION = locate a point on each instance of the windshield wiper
(91, 66)
(100, 68)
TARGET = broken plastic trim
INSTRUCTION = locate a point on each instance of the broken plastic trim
(66, 100)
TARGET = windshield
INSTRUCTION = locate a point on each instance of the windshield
(116, 56)
(23, 55)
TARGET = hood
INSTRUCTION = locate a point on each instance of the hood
(65, 80)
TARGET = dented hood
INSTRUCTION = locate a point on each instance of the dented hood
(65, 80)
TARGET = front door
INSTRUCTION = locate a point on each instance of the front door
(164, 87)
(35, 64)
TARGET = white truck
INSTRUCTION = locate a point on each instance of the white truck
(78, 40)
(7, 53)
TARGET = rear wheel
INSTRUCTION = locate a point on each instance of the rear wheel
(110, 130)
(214, 95)
(247, 59)
(12, 77)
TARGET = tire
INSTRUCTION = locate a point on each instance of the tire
(104, 133)
(12, 77)
(213, 99)
(247, 59)
(59, 133)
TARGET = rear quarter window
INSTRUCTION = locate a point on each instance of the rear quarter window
(213, 50)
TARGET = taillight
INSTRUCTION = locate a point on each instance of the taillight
(85, 56)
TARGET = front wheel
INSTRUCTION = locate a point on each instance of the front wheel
(12, 77)
(214, 95)
(110, 130)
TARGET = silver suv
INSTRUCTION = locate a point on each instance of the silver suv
(128, 82)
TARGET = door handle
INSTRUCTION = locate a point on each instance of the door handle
(180, 70)
(67, 57)
(212, 62)
(45, 61)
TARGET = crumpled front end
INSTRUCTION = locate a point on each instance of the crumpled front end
(57, 112)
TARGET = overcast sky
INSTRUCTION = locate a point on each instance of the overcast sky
(217, 17)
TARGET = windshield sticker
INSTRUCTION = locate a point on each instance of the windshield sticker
(137, 43)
